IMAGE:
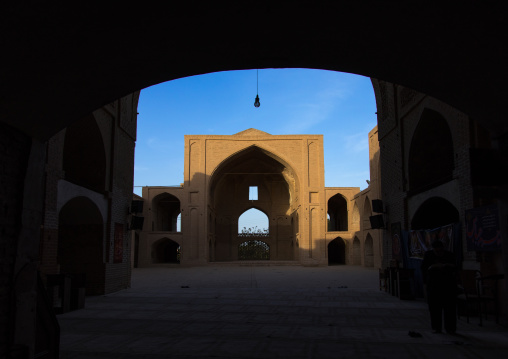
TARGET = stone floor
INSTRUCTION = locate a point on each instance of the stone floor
(233, 311)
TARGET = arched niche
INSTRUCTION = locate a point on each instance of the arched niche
(80, 243)
(369, 251)
(337, 210)
(337, 252)
(433, 213)
(357, 253)
(84, 156)
(431, 155)
(166, 250)
(165, 213)
(356, 215)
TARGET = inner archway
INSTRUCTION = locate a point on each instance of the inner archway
(232, 201)
(166, 213)
(337, 210)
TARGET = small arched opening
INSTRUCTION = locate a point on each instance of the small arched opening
(253, 223)
(166, 250)
(337, 210)
(337, 252)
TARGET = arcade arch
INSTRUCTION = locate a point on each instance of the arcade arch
(368, 251)
(337, 251)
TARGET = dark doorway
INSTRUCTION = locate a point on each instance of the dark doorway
(166, 250)
(80, 244)
(336, 252)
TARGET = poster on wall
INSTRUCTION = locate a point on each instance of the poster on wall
(396, 241)
(482, 229)
(118, 249)
(421, 241)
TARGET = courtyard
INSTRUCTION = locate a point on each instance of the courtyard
(265, 310)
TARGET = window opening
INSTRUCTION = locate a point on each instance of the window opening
(253, 193)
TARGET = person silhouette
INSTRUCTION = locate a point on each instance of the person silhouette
(440, 280)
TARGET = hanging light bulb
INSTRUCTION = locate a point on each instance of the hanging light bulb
(256, 101)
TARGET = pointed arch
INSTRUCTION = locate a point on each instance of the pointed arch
(336, 251)
(253, 222)
(337, 210)
(431, 154)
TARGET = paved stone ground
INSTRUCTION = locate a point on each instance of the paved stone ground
(265, 312)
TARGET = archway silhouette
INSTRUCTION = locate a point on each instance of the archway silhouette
(369, 251)
(166, 212)
(434, 212)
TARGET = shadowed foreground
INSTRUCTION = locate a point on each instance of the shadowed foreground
(231, 311)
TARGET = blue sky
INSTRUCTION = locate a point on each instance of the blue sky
(338, 105)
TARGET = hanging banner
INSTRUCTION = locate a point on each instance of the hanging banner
(482, 229)
(420, 241)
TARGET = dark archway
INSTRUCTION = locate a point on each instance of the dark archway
(166, 250)
(337, 210)
(431, 155)
(337, 252)
(80, 242)
(84, 156)
(166, 211)
(357, 253)
(433, 213)
(369, 251)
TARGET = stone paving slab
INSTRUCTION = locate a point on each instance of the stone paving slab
(225, 313)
